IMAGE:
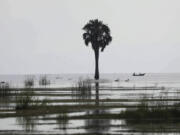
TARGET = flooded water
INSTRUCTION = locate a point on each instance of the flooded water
(116, 95)
(66, 80)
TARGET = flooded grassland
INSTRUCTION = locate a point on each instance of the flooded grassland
(90, 107)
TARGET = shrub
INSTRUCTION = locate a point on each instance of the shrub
(160, 110)
(4, 89)
(29, 82)
(44, 81)
(26, 100)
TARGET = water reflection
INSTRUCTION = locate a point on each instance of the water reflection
(97, 125)
(97, 92)
(5, 102)
(62, 120)
(82, 91)
(5, 95)
(28, 123)
(156, 126)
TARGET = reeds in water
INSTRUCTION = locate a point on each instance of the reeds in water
(44, 81)
(4, 89)
(27, 99)
(24, 100)
(29, 83)
(160, 110)
(82, 90)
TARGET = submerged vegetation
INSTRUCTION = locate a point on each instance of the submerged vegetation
(44, 81)
(28, 123)
(62, 120)
(27, 100)
(4, 89)
(82, 90)
(29, 82)
(64, 105)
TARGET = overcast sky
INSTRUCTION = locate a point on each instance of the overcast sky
(45, 36)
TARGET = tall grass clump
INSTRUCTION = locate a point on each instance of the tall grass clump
(159, 110)
(44, 81)
(25, 100)
(29, 83)
(4, 89)
(82, 90)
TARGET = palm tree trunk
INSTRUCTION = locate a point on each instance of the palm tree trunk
(96, 51)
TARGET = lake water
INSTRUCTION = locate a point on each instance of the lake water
(67, 80)
(154, 85)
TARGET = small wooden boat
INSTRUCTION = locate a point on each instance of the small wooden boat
(140, 74)
(2, 82)
(117, 80)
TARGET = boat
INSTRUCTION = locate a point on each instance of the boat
(117, 80)
(140, 74)
(2, 82)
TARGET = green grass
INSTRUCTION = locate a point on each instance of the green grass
(160, 111)
(26, 100)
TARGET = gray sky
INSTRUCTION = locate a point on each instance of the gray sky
(45, 36)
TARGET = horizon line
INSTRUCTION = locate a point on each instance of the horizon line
(88, 73)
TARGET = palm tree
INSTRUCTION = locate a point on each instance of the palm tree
(98, 34)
